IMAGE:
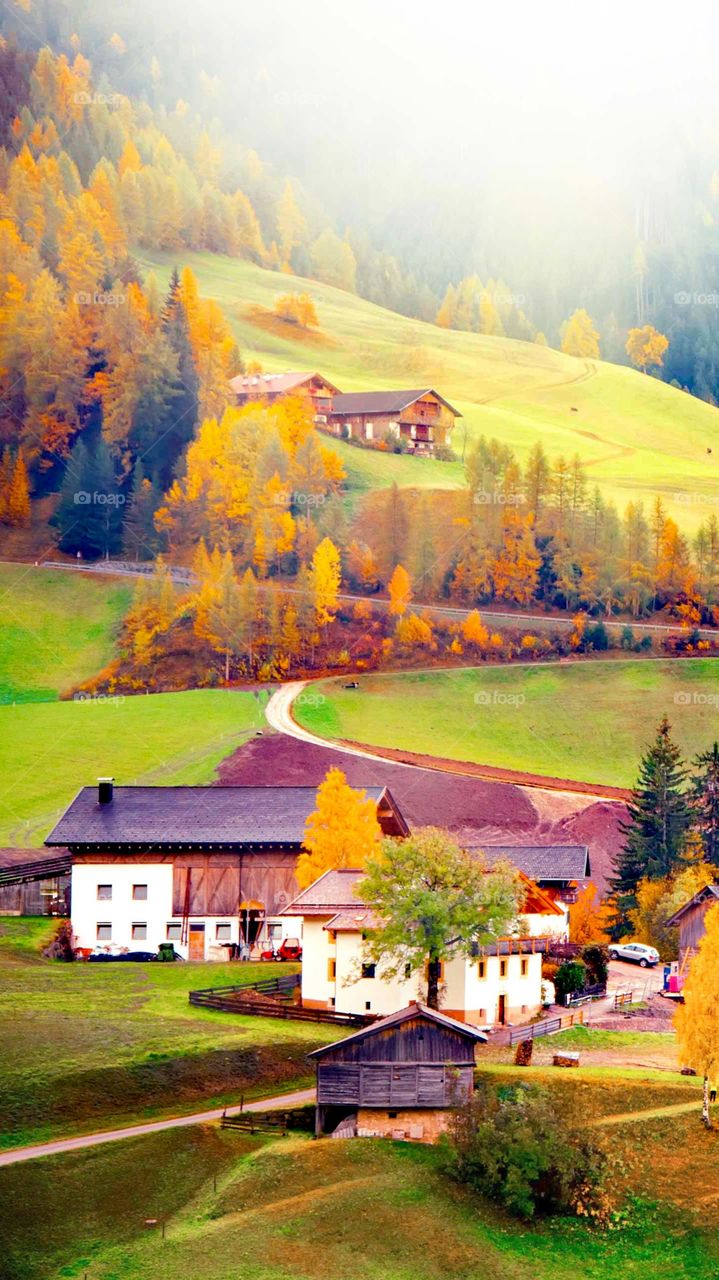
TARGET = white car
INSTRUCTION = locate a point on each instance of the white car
(637, 952)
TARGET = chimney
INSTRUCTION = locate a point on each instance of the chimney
(104, 790)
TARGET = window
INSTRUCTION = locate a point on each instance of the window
(483, 1015)
(368, 1005)
(368, 970)
(392, 1115)
(139, 893)
(482, 969)
(104, 892)
(525, 967)
(224, 932)
(332, 1002)
(174, 931)
(503, 968)
(104, 932)
(524, 1008)
(274, 932)
(139, 932)
(331, 970)
(408, 970)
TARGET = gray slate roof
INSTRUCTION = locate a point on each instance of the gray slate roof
(543, 862)
(414, 1010)
(382, 401)
(193, 817)
(332, 892)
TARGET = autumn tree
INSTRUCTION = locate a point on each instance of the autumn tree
(579, 336)
(587, 917)
(297, 308)
(325, 581)
(434, 901)
(342, 831)
(400, 591)
(646, 347)
(696, 1019)
(17, 506)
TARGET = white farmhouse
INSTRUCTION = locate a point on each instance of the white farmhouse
(501, 984)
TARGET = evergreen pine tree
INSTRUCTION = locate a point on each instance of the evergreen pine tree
(659, 816)
(89, 512)
(140, 539)
(185, 405)
(704, 795)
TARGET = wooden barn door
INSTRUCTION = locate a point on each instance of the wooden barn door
(197, 942)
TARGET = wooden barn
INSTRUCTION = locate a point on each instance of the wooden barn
(422, 418)
(689, 920)
(34, 882)
(269, 387)
(399, 1078)
(209, 869)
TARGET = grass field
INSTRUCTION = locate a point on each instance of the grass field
(48, 751)
(57, 629)
(586, 721)
(302, 1210)
(637, 435)
(84, 1046)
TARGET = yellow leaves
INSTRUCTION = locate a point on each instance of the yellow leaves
(342, 831)
(696, 1020)
(400, 591)
(414, 632)
(646, 347)
(474, 630)
(325, 579)
(117, 44)
(587, 917)
(297, 308)
(579, 337)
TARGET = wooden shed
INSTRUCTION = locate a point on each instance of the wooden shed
(689, 920)
(399, 1077)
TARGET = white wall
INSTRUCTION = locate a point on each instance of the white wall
(121, 911)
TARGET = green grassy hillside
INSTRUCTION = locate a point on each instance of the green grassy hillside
(637, 435)
(57, 629)
(589, 721)
(48, 751)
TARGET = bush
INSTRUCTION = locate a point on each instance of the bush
(520, 1147)
(61, 948)
(596, 958)
(570, 976)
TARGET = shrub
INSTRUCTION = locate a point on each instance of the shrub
(61, 948)
(570, 976)
(520, 1147)
(596, 958)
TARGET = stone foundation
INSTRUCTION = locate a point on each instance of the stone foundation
(404, 1126)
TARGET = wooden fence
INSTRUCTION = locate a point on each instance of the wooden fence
(533, 1030)
(273, 1122)
(279, 1002)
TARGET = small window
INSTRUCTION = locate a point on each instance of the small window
(482, 970)
(332, 1002)
(408, 970)
(224, 932)
(503, 968)
(139, 932)
(368, 1004)
(369, 970)
(174, 931)
(104, 892)
(331, 970)
(525, 967)
(392, 1115)
(483, 1015)
(274, 932)
(524, 1008)
(104, 932)
(139, 893)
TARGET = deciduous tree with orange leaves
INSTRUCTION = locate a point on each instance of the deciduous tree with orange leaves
(696, 1020)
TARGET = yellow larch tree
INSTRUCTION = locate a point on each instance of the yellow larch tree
(579, 337)
(696, 1020)
(341, 832)
(400, 591)
(646, 347)
(325, 576)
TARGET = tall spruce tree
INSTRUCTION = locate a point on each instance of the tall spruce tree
(89, 512)
(704, 797)
(140, 538)
(659, 816)
(185, 405)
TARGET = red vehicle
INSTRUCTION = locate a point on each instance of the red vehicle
(289, 949)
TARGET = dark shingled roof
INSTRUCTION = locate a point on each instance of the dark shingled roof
(193, 817)
(332, 892)
(383, 401)
(543, 862)
(414, 1010)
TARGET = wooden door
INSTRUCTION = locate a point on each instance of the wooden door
(502, 1010)
(197, 942)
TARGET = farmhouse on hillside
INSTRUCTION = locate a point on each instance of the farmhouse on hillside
(398, 1078)
(502, 983)
(206, 868)
(689, 920)
(422, 418)
(559, 869)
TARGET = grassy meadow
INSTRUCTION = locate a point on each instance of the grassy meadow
(85, 1046)
(57, 629)
(637, 435)
(49, 750)
(588, 721)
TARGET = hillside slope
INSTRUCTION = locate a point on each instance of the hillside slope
(637, 435)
